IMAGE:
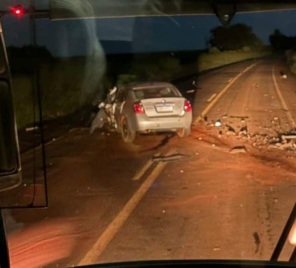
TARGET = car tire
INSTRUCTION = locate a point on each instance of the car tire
(183, 132)
(127, 134)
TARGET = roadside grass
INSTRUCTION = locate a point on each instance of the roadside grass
(23, 100)
(60, 85)
(61, 89)
(291, 59)
(216, 59)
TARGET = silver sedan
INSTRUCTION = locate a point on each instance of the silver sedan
(151, 107)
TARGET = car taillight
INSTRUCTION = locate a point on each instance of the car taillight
(138, 108)
(187, 106)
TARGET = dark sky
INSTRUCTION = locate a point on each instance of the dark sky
(67, 38)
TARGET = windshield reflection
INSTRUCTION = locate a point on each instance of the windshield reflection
(221, 190)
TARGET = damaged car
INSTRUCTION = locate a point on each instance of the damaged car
(141, 108)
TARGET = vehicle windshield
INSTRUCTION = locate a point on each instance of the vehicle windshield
(205, 172)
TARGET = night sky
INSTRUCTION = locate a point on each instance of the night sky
(68, 38)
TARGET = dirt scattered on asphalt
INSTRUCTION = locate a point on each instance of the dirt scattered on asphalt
(201, 203)
(212, 205)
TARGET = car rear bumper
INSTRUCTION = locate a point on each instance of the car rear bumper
(147, 124)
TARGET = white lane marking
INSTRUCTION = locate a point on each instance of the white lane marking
(212, 97)
(283, 103)
(103, 241)
(211, 104)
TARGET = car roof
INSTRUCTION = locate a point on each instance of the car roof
(142, 85)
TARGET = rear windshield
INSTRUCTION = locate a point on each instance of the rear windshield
(156, 92)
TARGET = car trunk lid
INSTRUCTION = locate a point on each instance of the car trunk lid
(159, 107)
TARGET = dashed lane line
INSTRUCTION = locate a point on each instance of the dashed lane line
(212, 97)
(140, 173)
(219, 95)
(114, 227)
(283, 103)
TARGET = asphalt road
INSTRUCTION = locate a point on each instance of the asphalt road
(225, 195)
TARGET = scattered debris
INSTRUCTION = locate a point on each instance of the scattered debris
(166, 158)
(230, 128)
(271, 136)
(230, 133)
(288, 137)
(244, 129)
(218, 123)
(283, 75)
(238, 149)
(28, 129)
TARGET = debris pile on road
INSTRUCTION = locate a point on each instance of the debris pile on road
(270, 137)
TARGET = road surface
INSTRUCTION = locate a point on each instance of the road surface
(226, 194)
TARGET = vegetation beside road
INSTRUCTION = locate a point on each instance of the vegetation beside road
(231, 44)
(291, 59)
(283, 44)
(61, 91)
(215, 58)
(61, 80)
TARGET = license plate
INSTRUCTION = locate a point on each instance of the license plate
(164, 107)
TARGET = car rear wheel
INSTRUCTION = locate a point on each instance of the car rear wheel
(183, 132)
(128, 135)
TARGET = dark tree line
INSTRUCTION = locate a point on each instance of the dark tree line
(22, 59)
(238, 36)
(281, 42)
(234, 37)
